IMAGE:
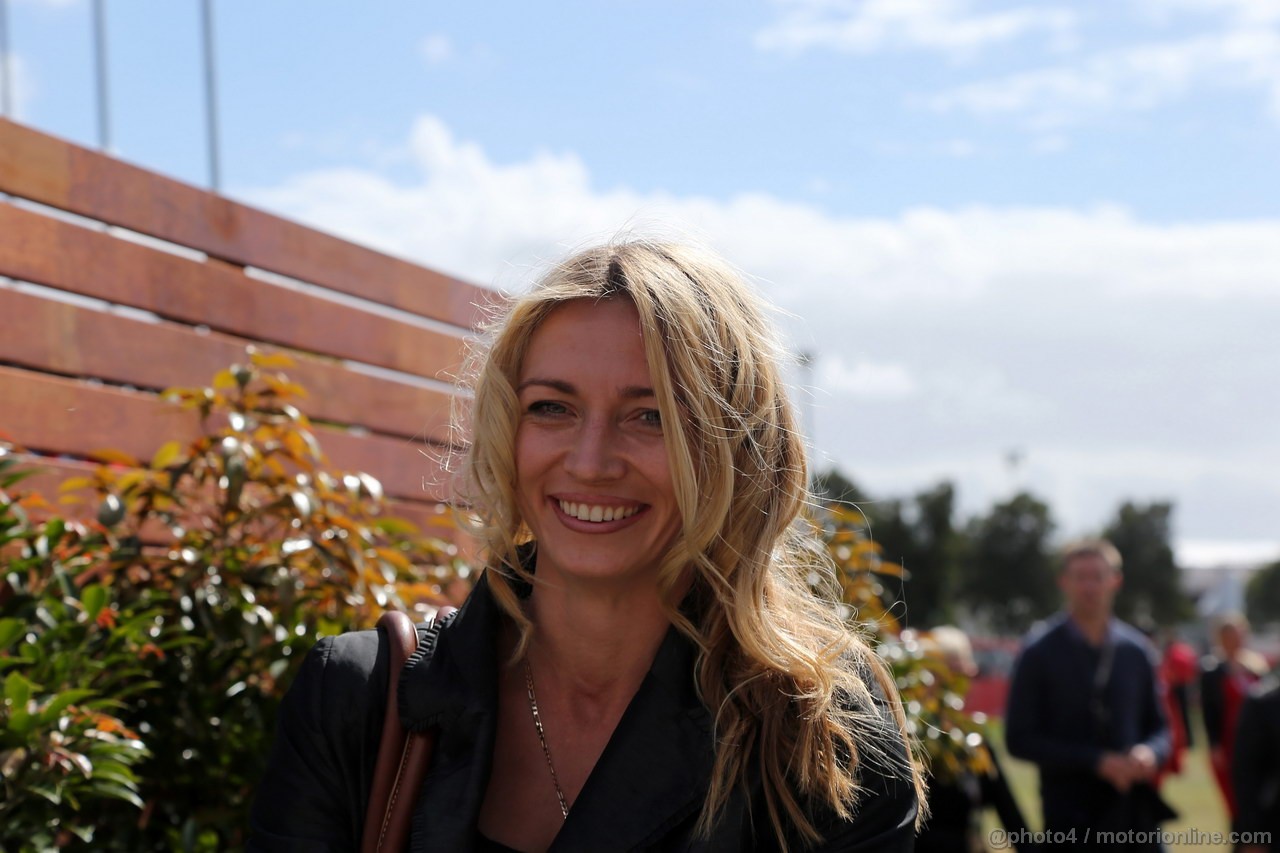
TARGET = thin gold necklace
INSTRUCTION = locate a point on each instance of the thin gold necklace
(542, 737)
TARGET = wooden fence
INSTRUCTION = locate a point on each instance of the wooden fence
(143, 283)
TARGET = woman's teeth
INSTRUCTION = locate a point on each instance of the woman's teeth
(591, 512)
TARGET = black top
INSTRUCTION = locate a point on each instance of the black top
(1255, 770)
(485, 844)
(645, 792)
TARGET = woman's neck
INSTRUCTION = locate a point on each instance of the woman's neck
(594, 645)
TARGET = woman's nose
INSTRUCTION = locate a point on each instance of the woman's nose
(594, 453)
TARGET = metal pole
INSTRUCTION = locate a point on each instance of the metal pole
(100, 51)
(6, 94)
(211, 98)
(805, 359)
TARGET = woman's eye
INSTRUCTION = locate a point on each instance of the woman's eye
(547, 407)
(650, 417)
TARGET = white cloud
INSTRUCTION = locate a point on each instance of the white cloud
(1128, 357)
(1132, 78)
(473, 217)
(865, 379)
(1235, 46)
(948, 26)
(1237, 13)
(1214, 553)
(436, 49)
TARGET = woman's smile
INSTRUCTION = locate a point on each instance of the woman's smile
(596, 512)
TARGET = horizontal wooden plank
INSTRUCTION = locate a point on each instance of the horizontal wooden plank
(68, 257)
(43, 168)
(433, 519)
(54, 415)
(49, 335)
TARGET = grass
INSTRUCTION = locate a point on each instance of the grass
(1192, 793)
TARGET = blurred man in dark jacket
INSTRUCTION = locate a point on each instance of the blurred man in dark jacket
(1085, 706)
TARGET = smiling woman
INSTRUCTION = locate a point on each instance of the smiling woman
(593, 482)
(643, 664)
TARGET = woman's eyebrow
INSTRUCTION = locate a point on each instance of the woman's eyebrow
(554, 384)
(630, 392)
(636, 392)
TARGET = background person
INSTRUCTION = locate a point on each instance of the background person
(643, 663)
(1180, 669)
(1084, 706)
(1224, 683)
(1255, 768)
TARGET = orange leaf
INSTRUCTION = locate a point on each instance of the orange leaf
(114, 457)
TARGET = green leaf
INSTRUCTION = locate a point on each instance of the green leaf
(116, 772)
(53, 531)
(17, 689)
(21, 722)
(84, 833)
(60, 702)
(48, 793)
(94, 598)
(12, 478)
(10, 630)
(118, 791)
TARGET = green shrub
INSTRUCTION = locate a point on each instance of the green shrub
(71, 657)
(241, 551)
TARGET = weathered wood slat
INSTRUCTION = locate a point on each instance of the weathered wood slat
(68, 257)
(54, 415)
(45, 169)
(53, 336)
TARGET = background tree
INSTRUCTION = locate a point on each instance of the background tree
(833, 487)
(1262, 595)
(1152, 588)
(1008, 564)
(919, 534)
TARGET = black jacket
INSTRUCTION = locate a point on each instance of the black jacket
(1059, 719)
(1255, 770)
(645, 792)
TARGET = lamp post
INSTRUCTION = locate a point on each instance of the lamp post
(100, 62)
(6, 77)
(210, 97)
(805, 360)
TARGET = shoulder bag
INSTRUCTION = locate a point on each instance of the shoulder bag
(403, 756)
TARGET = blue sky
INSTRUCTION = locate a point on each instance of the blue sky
(998, 225)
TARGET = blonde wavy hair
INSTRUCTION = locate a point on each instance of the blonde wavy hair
(784, 677)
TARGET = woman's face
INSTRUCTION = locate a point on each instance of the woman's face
(592, 477)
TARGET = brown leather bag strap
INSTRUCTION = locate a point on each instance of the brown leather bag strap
(403, 756)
